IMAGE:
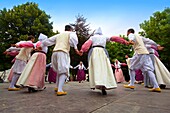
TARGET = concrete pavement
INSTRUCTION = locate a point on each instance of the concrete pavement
(81, 99)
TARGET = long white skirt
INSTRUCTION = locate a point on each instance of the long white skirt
(26, 72)
(161, 72)
(100, 71)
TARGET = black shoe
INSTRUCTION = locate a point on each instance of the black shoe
(30, 89)
(104, 92)
(1, 80)
(17, 86)
(162, 86)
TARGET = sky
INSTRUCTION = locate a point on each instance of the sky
(114, 17)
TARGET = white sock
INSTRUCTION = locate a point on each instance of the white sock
(62, 79)
(14, 80)
(57, 82)
(132, 77)
(153, 79)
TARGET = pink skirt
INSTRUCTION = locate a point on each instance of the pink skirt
(37, 74)
(119, 75)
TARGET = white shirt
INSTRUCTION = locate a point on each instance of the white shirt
(52, 40)
(80, 67)
(131, 36)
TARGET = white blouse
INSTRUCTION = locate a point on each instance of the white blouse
(80, 67)
(99, 40)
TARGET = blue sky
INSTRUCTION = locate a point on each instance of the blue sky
(113, 16)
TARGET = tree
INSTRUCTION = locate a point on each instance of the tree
(82, 29)
(158, 29)
(19, 22)
(118, 51)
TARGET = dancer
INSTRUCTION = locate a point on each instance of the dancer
(20, 62)
(141, 60)
(81, 75)
(12, 51)
(161, 72)
(33, 76)
(100, 71)
(118, 71)
(60, 57)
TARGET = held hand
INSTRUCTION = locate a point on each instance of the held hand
(160, 47)
(5, 52)
(39, 48)
(131, 42)
(13, 45)
(126, 42)
(78, 52)
(81, 52)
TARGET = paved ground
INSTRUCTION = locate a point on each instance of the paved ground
(81, 99)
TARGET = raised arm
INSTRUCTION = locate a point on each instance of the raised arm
(24, 44)
(85, 47)
(49, 41)
(13, 49)
(148, 41)
(76, 67)
(113, 65)
(119, 40)
(84, 67)
(123, 64)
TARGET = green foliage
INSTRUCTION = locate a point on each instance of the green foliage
(158, 29)
(118, 51)
(19, 22)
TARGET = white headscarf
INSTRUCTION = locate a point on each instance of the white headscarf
(42, 37)
(98, 31)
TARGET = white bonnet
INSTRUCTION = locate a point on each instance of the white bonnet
(42, 37)
(98, 31)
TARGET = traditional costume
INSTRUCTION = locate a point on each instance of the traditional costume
(141, 60)
(81, 75)
(20, 62)
(33, 75)
(60, 57)
(100, 71)
(118, 72)
(161, 72)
